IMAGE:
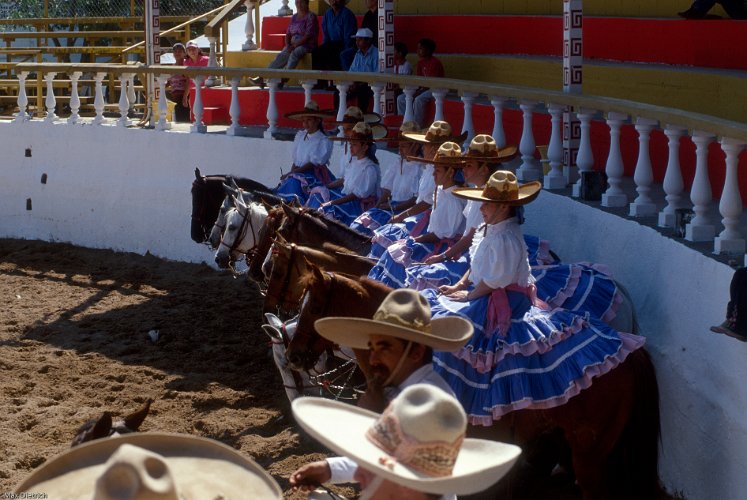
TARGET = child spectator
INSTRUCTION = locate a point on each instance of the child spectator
(429, 66)
(176, 85)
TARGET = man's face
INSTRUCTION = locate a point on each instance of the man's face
(336, 4)
(179, 55)
(384, 354)
(371, 4)
(363, 43)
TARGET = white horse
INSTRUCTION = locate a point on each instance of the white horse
(240, 236)
(220, 223)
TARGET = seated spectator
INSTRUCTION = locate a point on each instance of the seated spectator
(427, 66)
(194, 58)
(338, 28)
(370, 21)
(366, 61)
(401, 65)
(736, 9)
(176, 85)
(300, 37)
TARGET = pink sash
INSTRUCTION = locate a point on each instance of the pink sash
(499, 310)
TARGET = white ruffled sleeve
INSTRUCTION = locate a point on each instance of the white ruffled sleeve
(499, 259)
(472, 215)
(321, 151)
(361, 178)
(392, 170)
(447, 219)
(298, 148)
(427, 186)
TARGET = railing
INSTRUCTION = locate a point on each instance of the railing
(676, 124)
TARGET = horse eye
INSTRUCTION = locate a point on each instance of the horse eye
(232, 227)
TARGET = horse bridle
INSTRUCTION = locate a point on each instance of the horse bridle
(279, 298)
(246, 223)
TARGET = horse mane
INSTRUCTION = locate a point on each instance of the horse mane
(322, 219)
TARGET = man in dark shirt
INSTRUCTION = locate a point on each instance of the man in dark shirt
(339, 27)
(370, 21)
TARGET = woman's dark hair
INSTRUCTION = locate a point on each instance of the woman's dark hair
(371, 153)
(401, 48)
(428, 45)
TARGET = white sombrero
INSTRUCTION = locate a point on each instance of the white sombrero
(364, 132)
(418, 441)
(146, 466)
(438, 132)
(484, 148)
(404, 314)
(502, 187)
(354, 115)
(449, 153)
(311, 108)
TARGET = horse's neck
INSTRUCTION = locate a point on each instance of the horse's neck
(324, 231)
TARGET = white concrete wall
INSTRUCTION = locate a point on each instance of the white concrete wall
(128, 190)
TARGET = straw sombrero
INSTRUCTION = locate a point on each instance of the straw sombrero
(310, 109)
(502, 187)
(418, 442)
(409, 127)
(354, 115)
(364, 132)
(438, 132)
(152, 465)
(484, 148)
(404, 314)
(449, 153)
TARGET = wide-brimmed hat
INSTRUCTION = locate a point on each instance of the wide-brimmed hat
(484, 148)
(438, 132)
(363, 33)
(404, 314)
(502, 187)
(354, 115)
(418, 442)
(364, 132)
(311, 108)
(152, 465)
(449, 153)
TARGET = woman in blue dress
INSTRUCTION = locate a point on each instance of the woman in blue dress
(522, 354)
(351, 116)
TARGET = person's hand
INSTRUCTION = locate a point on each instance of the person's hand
(435, 259)
(185, 100)
(373, 399)
(449, 289)
(396, 219)
(325, 204)
(458, 296)
(310, 476)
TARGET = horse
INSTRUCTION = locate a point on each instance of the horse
(105, 426)
(241, 234)
(207, 196)
(220, 222)
(610, 428)
(289, 262)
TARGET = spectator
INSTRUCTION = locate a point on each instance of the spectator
(735, 325)
(300, 37)
(176, 85)
(338, 28)
(195, 58)
(370, 21)
(401, 65)
(429, 66)
(366, 61)
(736, 9)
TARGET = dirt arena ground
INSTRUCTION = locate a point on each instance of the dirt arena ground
(74, 343)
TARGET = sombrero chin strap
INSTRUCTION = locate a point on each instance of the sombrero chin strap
(402, 358)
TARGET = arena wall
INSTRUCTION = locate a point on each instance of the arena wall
(128, 190)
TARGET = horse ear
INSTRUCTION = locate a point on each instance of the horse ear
(229, 190)
(316, 270)
(198, 175)
(279, 238)
(239, 204)
(289, 212)
(134, 420)
(233, 183)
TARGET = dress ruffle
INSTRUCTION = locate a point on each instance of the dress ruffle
(387, 234)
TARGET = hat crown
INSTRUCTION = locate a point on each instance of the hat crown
(135, 473)
(311, 106)
(407, 308)
(353, 114)
(483, 145)
(449, 150)
(409, 127)
(502, 186)
(422, 428)
(438, 129)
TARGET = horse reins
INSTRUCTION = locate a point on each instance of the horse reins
(280, 296)
(246, 223)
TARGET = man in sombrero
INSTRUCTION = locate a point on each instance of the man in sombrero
(401, 339)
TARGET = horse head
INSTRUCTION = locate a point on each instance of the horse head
(267, 232)
(241, 233)
(105, 426)
(288, 266)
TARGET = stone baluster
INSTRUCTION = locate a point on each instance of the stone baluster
(23, 100)
(163, 123)
(498, 133)
(197, 108)
(673, 183)
(730, 240)
(98, 100)
(530, 169)
(409, 92)
(131, 95)
(235, 109)
(211, 80)
(643, 205)
(614, 196)
(700, 227)
(74, 97)
(555, 178)
(378, 90)
(585, 157)
(468, 99)
(51, 101)
(438, 98)
(272, 108)
(284, 10)
(308, 86)
(124, 104)
(342, 88)
(249, 26)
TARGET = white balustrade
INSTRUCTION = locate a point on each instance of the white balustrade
(643, 205)
(438, 98)
(74, 97)
(378, 90)
(272, 108)
(614, 196)
(730, 240)
(409, 92)
(342, 88)
(163, 123)
(673, 183)
(308, 86)
(23, 100)
(700, 227)
(131, 96)
(530, 169)
(585, 157)
(249, 26)
(468, 99)
(211, 80)
(98, 100)
(555, 178)
(197, 107)
(124, 104)
(499, 135)
(51, 101)
(284, 10)
(235, 110)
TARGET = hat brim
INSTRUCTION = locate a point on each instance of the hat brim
(201, 466)
(342, 428)
(449, 333)
(370, 118)
(379, 133)
(420, 137)
(527, 193)
(300, 115)
(451, 161)
(503, 155)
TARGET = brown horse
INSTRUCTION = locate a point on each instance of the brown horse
(611, 428)
(105, 426)
(290, 262)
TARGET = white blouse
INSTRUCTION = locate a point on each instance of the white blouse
(402, 179)
(472, 215)
(499, 256)
(343, 161)
(362, 178)
(313, 148)
(427, 185)
(447, 219)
